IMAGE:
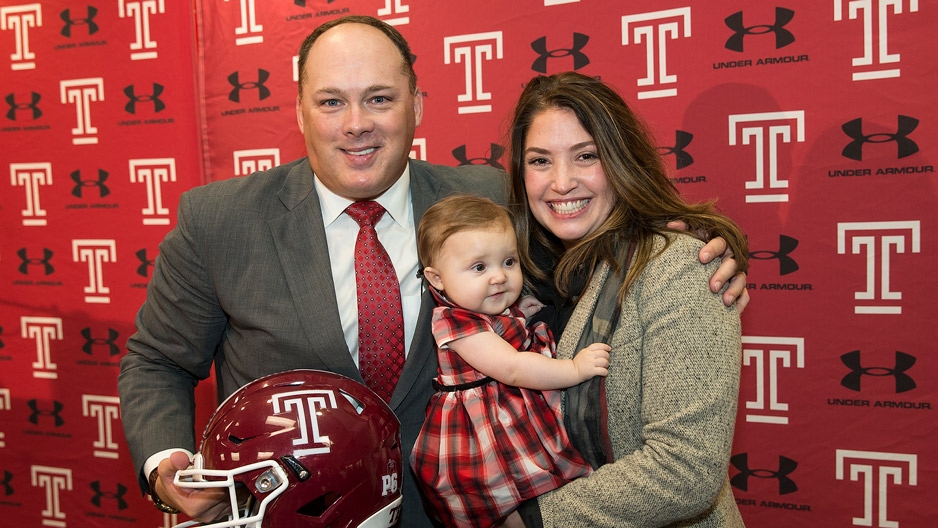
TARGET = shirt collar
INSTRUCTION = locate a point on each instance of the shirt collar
(395, 200)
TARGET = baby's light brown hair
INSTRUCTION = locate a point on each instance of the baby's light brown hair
(454, 214)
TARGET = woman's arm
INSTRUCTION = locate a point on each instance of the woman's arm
(727, 273)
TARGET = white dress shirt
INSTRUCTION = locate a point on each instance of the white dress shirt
(397, 233)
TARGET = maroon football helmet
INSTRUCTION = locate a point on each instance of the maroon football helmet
(302, 448)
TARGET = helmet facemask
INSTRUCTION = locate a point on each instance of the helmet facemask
(302, 448)
(244, 507)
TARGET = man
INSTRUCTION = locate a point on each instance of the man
(257, 277)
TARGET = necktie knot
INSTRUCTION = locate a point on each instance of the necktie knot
(365, 213)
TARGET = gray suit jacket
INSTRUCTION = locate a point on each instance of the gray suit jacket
(243, 282)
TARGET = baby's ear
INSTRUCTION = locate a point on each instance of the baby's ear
(433, 277)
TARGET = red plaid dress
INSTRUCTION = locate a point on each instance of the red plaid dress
(484, 450)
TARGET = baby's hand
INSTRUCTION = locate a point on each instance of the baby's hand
(529, 305)
(592, 361)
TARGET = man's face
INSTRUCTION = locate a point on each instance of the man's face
(357, 112)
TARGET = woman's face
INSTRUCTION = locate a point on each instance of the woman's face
(567, 190)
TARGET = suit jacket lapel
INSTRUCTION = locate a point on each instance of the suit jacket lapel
(300, 238)
(425, 190)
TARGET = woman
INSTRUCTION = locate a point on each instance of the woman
(592, 201)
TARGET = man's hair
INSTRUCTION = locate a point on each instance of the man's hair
(455, 214)
(407, 59)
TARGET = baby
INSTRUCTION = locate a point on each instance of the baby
(494, 435)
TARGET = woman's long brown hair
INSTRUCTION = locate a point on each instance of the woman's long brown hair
(645, 198)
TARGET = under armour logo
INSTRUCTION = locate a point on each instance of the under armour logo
(37, 412)
(496, 152)
(682, 157)
(45, 261)
(109, 341)
(145, 263)
(904, 145)
(785, 467)
(904, 362)
(783, 37)
(80, 184)
(116, 495)
(7, 478)
(786, 264)
(32, 105)
(235, 80)
(579, 58)
(88, 21)
(158, 104)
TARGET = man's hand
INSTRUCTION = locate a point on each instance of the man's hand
(203, 505)
(728, 272)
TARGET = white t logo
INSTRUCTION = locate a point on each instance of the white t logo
(885, 238)
(460, 48)
(769, 354)
(766, 131)
(877, 471)
(655, 29)
(874, 28)
(20, 18)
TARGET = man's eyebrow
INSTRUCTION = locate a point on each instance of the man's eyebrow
(338, 91)
(379, 88)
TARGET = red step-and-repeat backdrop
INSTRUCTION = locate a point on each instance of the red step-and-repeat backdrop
(812, 121)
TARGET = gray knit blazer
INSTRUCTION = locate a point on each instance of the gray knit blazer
(672, 391)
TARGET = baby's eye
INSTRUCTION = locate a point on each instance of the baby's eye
(510, 261)
(478, 267)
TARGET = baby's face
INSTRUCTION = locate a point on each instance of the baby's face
(479, 270)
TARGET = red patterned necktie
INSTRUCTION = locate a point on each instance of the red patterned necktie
(380, 317)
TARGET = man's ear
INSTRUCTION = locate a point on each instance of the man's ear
(418, 107)
(299, 115)
(433, 277)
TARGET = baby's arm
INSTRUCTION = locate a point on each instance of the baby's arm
(491, 355)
